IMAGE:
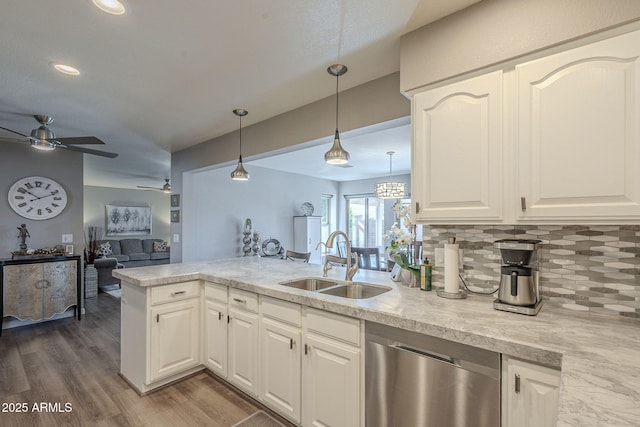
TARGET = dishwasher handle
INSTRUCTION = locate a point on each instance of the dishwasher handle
(436, 356)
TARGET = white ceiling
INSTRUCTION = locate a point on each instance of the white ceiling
(166, 75)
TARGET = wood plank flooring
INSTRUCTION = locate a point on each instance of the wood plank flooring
(71, 367)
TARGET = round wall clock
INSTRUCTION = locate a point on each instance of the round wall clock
(37, 197)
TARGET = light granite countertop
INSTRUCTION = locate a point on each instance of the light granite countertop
(599, 355)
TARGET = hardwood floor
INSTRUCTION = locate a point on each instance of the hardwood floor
(65, 373)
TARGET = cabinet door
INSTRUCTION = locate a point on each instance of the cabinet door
(578, 137)
(175, 338)
(457, 151)
(243, 350)
(531, 394)
(23, 286)
(280, 368)
(215, 337)
(331, 383)
(60, 284)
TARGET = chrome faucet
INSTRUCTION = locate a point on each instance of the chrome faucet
(351, 269)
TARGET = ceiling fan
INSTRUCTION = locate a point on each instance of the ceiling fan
(43, 138)
(166, 188)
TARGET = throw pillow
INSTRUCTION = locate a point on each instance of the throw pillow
(160, 246)
(105, 249)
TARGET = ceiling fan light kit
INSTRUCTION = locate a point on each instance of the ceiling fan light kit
(44, 139)
(390, 189)
(336, 154)
(240, 173)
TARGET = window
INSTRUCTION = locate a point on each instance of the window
(365, 221)
(326, 216)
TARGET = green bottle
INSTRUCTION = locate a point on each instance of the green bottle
(425, 275)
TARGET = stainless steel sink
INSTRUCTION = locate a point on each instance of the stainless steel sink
(356, 290)
(310, 283)
(338, 288)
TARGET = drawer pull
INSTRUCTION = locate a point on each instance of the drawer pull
(517, 385)
(241, 301)
(175, 294)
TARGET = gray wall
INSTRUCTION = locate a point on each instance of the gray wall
(374, 102)
(18, 161)
(494, 31)
(96, 198)
(215, 209)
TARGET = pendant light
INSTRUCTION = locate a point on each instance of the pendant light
(336, 155)
(390, 189)
(240, 174)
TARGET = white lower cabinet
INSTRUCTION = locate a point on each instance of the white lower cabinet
(331, 370)
(280, 351)
(215, 329)
(161, 340)
(530, 394)
(175, 340)
(242, 341)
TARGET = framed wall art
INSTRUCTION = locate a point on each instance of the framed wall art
(175, 200)
(175, 216)
(128, 220)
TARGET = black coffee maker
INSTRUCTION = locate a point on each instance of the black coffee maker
(519, 284)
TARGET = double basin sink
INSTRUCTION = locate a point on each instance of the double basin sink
(338, 288)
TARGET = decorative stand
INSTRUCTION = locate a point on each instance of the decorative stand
(246, 240)
(256, 244)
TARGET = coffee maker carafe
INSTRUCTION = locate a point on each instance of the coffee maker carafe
(519, 286)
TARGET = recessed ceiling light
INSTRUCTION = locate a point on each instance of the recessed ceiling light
(113, 7)
(66, 69)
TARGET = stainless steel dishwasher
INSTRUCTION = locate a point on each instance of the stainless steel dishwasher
(415, 380)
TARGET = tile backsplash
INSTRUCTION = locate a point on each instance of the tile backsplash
(584, 268)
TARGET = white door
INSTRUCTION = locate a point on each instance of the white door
(531, 394)
(578, 137)
(331, 383)
(243, 350)
(175, 338)
(456, 171)
(215, 337)
(280, 368)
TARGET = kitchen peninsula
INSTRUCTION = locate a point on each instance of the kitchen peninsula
(597, 355)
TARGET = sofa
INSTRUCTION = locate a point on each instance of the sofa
(128, 253)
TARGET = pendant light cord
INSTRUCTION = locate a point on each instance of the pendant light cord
(337, 77)
(240, 138)
(390, 155)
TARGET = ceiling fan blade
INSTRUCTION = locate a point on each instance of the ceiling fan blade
(80, 140)
(90, 151)
(13, 131)
(149, 188)
(18, 140)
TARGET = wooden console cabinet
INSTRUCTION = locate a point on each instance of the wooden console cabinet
(39, 288)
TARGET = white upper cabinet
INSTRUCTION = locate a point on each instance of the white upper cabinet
(578, 145)
(555, 140)
(457, 151)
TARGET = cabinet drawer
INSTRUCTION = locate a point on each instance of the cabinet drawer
(244, 300)
(215, 291)
(333, 325)
(281, 310)
(175, 292)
